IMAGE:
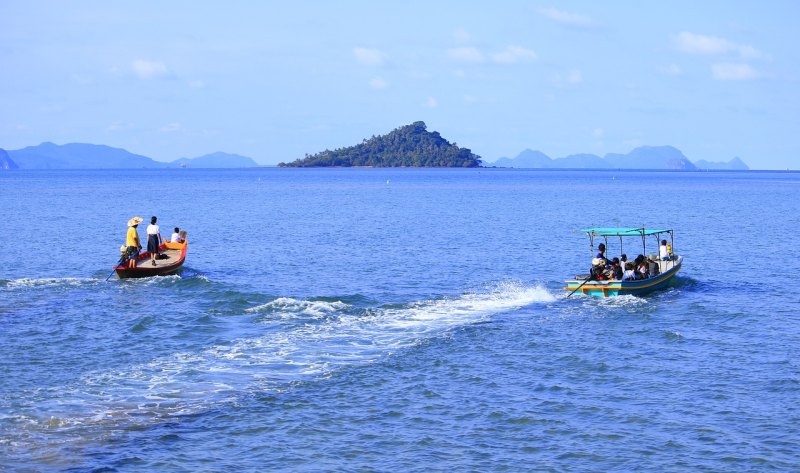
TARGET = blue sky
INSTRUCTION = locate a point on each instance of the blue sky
(276, 80)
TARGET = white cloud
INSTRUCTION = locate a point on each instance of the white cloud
(119, 126)
(566, 18)
(369, 56)
(733, 71)
(572, 77)
(461, 36)
(170, 128)
(378, 83)
(466, 54)
(514, 54)
(671, 70)
(431, 102)
(149, 69)
(691, 43)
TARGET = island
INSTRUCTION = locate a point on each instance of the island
(408, 146)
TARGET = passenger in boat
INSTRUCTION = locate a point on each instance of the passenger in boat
(640, 267)
(132, 241)
(664, 251)
(616, 270)
(629, 274)
(153, 239)
(598, 270)
(183, 236)
(623, 260)
(654, 269)
(176, 237)
(601, 254)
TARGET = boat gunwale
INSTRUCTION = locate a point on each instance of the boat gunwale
(143, 271)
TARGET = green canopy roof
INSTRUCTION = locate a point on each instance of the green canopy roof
(611, 231)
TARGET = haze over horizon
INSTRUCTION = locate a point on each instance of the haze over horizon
(274, 81)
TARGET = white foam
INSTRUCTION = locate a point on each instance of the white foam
(191, 381)
(287, 306)
(627, 300)
(48, 282)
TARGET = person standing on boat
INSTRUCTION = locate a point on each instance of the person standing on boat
(601, 254)
(153, 239)
(132, 241)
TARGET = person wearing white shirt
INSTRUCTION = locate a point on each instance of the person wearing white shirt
(629, 274)
(663, 251)
(153, 239)
(176, 237)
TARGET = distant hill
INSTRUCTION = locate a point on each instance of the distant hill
(6, 162)
(90, 156)
(734, 164)
(643, 157)
(652, 157)
(216, 160)
(408, 146)
(79, 156)
(582, 161)
(526, 159)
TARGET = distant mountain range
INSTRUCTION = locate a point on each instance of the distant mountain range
(90, 156)
(643, 157)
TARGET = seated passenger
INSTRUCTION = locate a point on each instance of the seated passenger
(616, 270)
(654, 269)
(664, 251)
(629, 274)
(176, 236)
(598, 270)
(640, 268)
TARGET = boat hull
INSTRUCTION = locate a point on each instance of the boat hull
(621, 288)
(176, 255)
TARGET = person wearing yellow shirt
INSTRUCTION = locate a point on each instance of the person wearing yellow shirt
(132, 241)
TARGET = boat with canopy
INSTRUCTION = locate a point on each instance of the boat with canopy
(661, 269)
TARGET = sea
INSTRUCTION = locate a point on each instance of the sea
(397, 320)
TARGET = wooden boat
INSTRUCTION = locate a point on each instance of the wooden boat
(666, 269)
(170, 261)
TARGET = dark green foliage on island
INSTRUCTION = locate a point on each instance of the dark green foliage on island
(407, 146)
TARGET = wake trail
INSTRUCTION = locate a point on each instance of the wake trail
(327, 337)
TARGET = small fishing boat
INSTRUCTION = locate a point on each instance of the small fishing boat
(169, 261)
(662, 270)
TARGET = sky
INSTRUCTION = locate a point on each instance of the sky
(276, 80)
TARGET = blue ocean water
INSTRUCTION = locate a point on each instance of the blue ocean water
(396, 320)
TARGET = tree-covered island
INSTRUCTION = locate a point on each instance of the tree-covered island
(408, 146)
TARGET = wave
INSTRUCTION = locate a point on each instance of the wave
(341, 335)
(27, 283)
(287, 307)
